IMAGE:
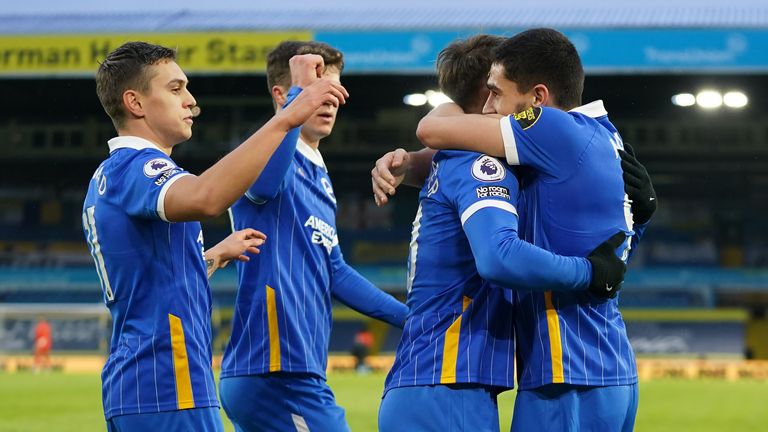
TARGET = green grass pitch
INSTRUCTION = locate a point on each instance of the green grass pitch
(64, 402)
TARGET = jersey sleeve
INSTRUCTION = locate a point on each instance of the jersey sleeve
(357, 292)
(473, 181)
(502, 257)
(484, 192)
(271, 181)
(145, 181)
(549, 140)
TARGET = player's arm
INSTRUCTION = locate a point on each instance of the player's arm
(502, 257)
(269, 183)
(419, 166)
(234, 247)
(271, 180)
(355, 291)
(549, 140)
(447, 127)
(484, 193)
(399, 167)
(211, 193)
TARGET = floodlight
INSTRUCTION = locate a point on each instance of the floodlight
(684, 99)
(735, 99)
(709, 99)
(436, 98)
(415, 99)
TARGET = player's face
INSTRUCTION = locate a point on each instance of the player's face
(505, 97)
(321, 123)
(168, 104)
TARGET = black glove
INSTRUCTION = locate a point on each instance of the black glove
(607, 269)
(638, 186)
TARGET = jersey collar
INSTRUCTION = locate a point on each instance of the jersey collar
(312, 154)
(593, 109)
(132, 142)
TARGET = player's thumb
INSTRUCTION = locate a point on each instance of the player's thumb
(398, 159)
(628, 148)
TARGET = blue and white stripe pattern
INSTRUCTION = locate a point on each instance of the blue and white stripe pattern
(460, 327)
(291, 276)
(574, 202)
(154, 283)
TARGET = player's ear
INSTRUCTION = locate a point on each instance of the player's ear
(541, 95)
(279, 95)
(132, 101)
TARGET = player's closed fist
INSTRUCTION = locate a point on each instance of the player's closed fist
(322, 92)
(306, 69)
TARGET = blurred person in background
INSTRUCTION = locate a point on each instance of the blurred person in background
(42, 345)
(140, 219)
(361, 348)
(273, 370)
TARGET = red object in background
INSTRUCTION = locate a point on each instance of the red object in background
(43, 341)
(364, 338)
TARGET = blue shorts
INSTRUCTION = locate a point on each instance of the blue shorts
(281, 402)
(572, 408)
(439, 408)
(196, 419)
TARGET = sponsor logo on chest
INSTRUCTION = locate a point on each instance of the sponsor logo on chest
(322, 233)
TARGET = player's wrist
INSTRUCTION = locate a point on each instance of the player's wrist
(283, 121)
(211, 264)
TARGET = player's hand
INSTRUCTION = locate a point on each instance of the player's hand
(305, 69)
(388, 173)
(321, 92)
(638, 186)
(607, 269)
(237, 245)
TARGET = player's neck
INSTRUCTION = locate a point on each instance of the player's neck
(312, 142)
(138, 130)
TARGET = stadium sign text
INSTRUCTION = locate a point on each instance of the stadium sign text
(231, 52)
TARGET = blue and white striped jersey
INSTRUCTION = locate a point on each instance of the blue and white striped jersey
(460, 327)
(154, 281)
(572, 199)
(282, 318)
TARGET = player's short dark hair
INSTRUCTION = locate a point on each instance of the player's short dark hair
(278, 70)
(462, 67)
(543, 56)
(127, 67)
